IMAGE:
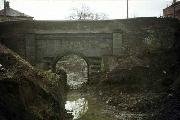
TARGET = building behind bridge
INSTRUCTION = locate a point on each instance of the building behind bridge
(9, 14)
(173, 10)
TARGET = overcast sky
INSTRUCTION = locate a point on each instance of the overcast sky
(115, 9)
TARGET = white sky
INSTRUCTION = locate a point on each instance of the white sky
(115, 9)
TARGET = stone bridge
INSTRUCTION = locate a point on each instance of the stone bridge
(100, 43)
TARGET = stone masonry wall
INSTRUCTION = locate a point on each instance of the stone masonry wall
(37, 40)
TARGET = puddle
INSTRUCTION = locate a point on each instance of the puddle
(77, 107)
(84, 106)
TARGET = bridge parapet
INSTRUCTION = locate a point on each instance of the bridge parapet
(38, 40)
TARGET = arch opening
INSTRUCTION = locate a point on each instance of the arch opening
(76, 68)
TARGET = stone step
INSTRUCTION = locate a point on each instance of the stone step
(96, 67)
(95, 63)
(94, 60)
(94, 73)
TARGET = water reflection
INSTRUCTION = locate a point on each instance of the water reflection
(77, 107)
(85, 106)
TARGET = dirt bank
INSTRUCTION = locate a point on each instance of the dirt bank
(27, 93)
(151, 90)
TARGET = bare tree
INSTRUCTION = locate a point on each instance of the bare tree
(84, 13)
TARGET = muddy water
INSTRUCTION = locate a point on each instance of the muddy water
(84, 106)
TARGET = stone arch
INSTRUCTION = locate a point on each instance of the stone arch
(60, 57)
(66, 54)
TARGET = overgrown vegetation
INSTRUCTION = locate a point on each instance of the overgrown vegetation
(28, 93)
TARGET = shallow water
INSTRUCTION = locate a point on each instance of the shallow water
(84, 106)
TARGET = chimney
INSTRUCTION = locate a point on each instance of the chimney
(4, 7)
(7, 5)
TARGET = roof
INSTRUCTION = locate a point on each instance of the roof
(13, 13)
(177, 5)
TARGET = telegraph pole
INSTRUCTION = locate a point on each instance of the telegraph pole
(127, 9)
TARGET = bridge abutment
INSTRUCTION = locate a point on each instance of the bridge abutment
(110, 41)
